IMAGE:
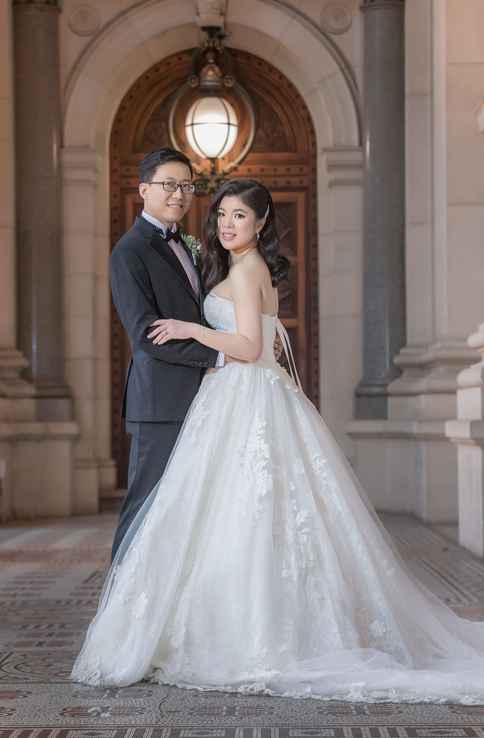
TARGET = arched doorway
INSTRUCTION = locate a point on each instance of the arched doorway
(283, 157)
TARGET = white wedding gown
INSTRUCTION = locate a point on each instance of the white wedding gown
(258, 565)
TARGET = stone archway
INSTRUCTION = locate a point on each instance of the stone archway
(123, 50)
(283, 157)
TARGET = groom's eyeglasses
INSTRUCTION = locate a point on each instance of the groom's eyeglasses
(169, 186)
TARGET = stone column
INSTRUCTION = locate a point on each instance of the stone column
(7, 200)
(35, 457)
(408, 463)
(384, 203)
(15, 395)
(38, 133)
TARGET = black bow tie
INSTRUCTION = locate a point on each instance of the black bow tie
(171, 235)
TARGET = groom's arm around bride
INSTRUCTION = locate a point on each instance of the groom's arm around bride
(137, 299)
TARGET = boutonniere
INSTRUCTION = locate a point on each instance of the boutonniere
(193, 244)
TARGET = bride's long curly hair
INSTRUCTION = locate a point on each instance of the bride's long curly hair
(216, 260)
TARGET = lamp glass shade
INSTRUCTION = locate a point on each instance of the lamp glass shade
(211, 126)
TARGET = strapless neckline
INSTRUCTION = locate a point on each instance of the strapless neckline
(224, 319)
(227, 299)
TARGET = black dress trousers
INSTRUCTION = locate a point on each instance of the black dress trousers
(151, 446)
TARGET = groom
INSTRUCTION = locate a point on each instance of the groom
(153, 275)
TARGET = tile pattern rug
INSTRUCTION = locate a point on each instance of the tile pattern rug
(50, 578)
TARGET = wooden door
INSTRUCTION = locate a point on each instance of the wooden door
(283, 158)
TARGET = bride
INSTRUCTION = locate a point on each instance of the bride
(257, 563)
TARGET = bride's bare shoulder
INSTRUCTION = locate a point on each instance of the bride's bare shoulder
(251, 268)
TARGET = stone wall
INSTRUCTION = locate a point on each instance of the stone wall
(444, 262)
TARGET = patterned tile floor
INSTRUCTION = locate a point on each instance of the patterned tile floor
(50, 577)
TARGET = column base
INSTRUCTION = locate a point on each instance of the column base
(371, 397)
(86, 487)
(94, 481)
(111, 496)
(108, 475)
(37, 460)
(407, 462)
(35, 457)
(407, 467)
(53, 402)
(371, 402)
(16, 395)
(468, 435)
(427, 387)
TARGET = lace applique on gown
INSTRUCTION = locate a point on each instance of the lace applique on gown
(257, 564)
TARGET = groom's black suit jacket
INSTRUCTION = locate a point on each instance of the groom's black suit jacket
(148, 282)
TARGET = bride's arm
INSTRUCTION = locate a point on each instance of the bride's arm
(246, 344)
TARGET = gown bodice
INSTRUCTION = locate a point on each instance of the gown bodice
(220, 314)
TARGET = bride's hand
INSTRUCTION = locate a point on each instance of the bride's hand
(168, 330)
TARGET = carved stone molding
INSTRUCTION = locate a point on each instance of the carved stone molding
(40, 4)
(84, 20)
(211, 13)
(378, 4)
(336, 16)
(344, 165)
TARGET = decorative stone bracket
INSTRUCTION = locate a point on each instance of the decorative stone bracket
(211, 13)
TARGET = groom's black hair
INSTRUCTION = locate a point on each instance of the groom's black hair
(149, 164)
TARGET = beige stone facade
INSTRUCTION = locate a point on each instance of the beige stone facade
(406, 461)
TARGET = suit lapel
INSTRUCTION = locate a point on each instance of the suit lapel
(201, 294)
(164, 251)
(194, 261)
